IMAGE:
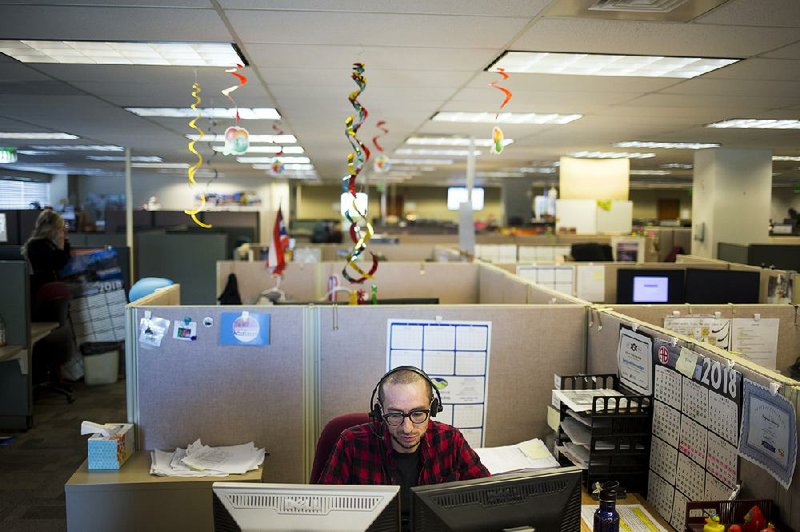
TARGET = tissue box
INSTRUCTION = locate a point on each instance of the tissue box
(110, 452)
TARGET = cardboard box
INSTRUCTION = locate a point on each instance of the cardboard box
(110, 452)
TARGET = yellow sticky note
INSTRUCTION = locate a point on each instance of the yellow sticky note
(686, 362)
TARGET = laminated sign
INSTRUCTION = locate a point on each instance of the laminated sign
(244, 329)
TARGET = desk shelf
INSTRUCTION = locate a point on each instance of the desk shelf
(617, 444)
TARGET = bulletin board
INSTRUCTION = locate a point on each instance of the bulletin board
(455, 355)
(701, 398)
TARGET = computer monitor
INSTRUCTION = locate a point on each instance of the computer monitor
(545, 500)
(245, 506)
(636, 285)
(722, 286)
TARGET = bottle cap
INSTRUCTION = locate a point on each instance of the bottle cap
(608, 492)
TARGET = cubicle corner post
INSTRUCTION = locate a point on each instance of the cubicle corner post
(132, 368)
(311, 385)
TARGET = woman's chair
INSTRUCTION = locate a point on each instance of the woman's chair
(328, 438)
(51, 304)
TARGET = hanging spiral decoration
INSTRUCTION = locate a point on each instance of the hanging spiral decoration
(355, 164)
(196, 166)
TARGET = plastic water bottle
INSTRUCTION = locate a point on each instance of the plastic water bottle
(606, 518)
(3, 340)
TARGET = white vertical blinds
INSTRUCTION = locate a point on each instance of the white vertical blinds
(20, 194)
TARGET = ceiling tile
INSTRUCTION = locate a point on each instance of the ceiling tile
(507, 8)
(748, 13)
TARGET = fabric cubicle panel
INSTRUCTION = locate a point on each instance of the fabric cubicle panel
(603, 338)
(300, 282)
(491, 284)
(452, 283)
(528, 345)
(224, 394)
(788, 330)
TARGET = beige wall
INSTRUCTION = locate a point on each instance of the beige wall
(428, 202)
(645, 202)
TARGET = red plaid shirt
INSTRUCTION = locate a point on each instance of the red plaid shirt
(364, 455)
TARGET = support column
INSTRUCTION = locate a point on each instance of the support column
(730, 198)
(517, 197)
(129, 214)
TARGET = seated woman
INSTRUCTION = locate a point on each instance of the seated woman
(47, 249)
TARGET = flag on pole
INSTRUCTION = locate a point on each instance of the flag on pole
(280, 241)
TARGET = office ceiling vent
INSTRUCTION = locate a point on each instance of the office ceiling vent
(637, 6)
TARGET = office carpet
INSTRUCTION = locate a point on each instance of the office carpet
(34, 465)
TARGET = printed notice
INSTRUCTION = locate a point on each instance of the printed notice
(634, 359)
(756, 339)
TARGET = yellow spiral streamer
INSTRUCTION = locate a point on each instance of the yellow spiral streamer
(195, 167)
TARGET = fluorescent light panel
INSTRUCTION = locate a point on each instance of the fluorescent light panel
(608, 65)
(449, 153)
(453, 141)
(123, 53)
(755, 123)
(268, 149)
(135, 158)
(650, 172)
(287, 166)
(265, 160)
(37, 136)
(77, 147)
(432, 162)
(774, 157)
(611, 155)
(505, 118)
(274, 139)
(245, 113)
(678, 166)
(160, 165)
(537, 170)
(643, 144)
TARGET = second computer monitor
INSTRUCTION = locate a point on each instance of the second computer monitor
(636, 285)
(722, 286)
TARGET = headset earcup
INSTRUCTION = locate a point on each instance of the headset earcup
(436, 407)
(376, 412)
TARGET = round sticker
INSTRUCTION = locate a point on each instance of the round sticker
(208, 321)
(663, 355)
(245, 329)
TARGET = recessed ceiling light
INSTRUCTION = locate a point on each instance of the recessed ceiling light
(499, 174)
(665, 145)
(286, 166)
(451, 153)
(123, 53)
(650, 172)
(245, 113)
(611, 155)
(679, 166)
(537, 170)
(135, 158)
(432, 162)
(265, 160)
(505, 118)
(160, 165)
(37, 136)
(35, 152)
(268, 149)
(275, 139)
(755, 123)
(774, 157)
(78, 147)
(608, 65)
(453, 141)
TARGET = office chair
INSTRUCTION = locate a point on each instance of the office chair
(51, 304)
(327, 440)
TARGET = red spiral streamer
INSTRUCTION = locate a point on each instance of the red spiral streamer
(227, 92)
(382, 126)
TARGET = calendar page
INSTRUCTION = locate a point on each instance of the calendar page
(696, 416)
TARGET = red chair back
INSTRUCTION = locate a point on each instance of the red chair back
(328, 438)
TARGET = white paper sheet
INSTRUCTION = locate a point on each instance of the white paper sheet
(756, 339)
(527, 455)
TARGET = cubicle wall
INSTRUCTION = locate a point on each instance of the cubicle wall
(603, 339)
(15, 377)
(528, 344)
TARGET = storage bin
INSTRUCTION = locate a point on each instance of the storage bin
(100, 362)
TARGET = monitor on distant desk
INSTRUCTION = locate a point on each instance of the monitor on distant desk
(548, 500)
(636, 286)
(269, 507)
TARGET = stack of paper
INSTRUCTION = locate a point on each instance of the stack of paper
(200, 460)
(581, 400)
(531, 454)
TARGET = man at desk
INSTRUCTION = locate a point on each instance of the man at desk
(402, 445)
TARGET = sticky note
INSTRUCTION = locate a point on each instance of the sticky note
(686, 363)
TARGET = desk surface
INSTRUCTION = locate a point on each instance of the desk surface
(632, 498)
(137, 471)
(40, 329)
(10, 352)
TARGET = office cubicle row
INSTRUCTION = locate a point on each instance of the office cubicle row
(280, 395)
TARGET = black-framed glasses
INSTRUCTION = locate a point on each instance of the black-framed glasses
(417, 417)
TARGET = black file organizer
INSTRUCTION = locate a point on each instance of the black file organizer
(627, 426)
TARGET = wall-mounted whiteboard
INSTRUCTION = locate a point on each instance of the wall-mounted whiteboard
(619, 219)
(580, 214)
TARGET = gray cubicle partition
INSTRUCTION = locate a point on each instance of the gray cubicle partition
(224, 394)
(15, 386)
(12, 228)
(529, 343)
(187, 258)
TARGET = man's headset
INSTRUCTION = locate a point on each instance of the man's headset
(376, 412)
